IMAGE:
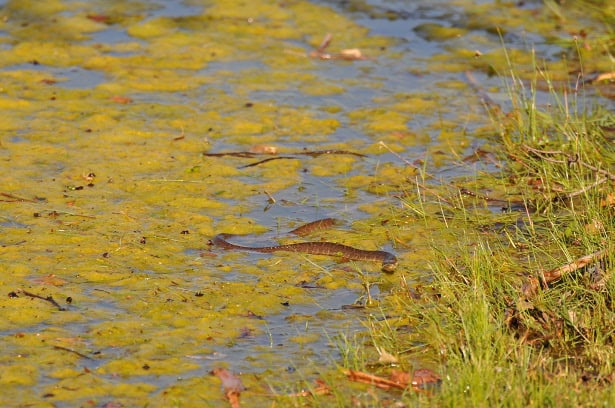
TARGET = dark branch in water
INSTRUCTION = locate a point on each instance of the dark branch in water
(49, 299)
(294, 155)
(73, 351)
(14, 198)
(265, 161)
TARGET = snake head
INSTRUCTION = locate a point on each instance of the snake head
(389, 267)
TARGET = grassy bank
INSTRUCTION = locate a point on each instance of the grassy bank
(519, 308)
(523, 314)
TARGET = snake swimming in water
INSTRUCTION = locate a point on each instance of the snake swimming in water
(388, 260)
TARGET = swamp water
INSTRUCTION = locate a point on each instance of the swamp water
(112, 115)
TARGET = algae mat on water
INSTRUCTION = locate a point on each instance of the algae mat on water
(110, 291)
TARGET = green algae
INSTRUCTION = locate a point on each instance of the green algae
(119, 202)
(438, 32)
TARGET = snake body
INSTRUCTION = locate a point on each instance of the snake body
(388, 260)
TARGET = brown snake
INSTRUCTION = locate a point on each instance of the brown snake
(388, 260)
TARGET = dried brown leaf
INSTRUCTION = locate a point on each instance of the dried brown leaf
(121, 99)
(400, 377)
(352, 54)
(423, 377)
(263, 149)
(231, 383)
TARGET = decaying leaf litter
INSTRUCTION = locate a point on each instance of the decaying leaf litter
(112, 192)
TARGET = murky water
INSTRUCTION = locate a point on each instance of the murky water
(108, 202)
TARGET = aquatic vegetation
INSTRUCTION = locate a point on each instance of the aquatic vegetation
(117, 122)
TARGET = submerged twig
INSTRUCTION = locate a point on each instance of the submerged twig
(292, 155)
(49, 299)
(325, 43)
(73, 351)
(245, 166)
(312, 153)
(55, 213)
(316, 153)
(234, 154)
(15, 198)
(271, 199)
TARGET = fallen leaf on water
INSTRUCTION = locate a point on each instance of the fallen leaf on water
(424, 377)
(50, 279)
(99, 18)
(352, 54)
(121, 99)
(400, 377)
(231, 383)
(264, 149)
(345, 54)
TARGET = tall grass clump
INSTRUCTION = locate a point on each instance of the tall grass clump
(520, 307)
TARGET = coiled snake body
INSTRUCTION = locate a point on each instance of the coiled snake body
(388, 260)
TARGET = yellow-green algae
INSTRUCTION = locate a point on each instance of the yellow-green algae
(585, 45)
(119, 202)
